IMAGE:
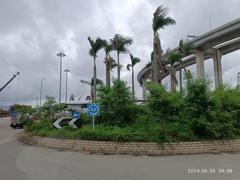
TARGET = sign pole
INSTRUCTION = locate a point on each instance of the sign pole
(93, 122)
(93, 110)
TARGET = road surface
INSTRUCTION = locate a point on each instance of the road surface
(23, 162)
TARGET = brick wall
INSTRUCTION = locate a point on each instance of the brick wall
(135, 148)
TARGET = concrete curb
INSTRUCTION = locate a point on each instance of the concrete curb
(133, 148)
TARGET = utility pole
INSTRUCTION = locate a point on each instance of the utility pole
(66, 71)
(41, 91)
(61, 55)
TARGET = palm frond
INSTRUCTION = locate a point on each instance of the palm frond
(128, 67)
(174, 57)
(169, 21)
(185, 48)
(91, 41)
(134, 60)
(98, 82)
(107, 46)
(160, 11)
(95, 46)
(112, 63)
(119, 42)
(160, 19)
(131, 57)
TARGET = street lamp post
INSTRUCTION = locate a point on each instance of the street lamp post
(61, 55)
(66, 71)
(40, 100)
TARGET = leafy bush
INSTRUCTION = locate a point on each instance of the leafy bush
(86, 119)
(196, 114)
(50, 107)
(115, 102)
(198, 98)
(165, 105)
(100, 133)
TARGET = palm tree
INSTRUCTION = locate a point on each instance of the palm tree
(91, 84)
(174, 57)
(95, 47)
(109, 61)
(160, 20)
(184, 50)
(134, 61)
(119, 43)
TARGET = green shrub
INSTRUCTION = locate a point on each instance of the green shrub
(115, 102)
(86, 119)
(198, 98)
(197, 114)
(165, 105)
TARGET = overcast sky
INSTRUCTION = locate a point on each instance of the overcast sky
(33, 31)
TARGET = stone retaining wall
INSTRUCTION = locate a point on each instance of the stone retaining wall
(134, 148)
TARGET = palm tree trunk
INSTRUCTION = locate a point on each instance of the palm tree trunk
(95, 79)
(159, 57)
(173, 82)
(154, 62)
(107, 71)
(185, 71)
(118, 69)
(92, 92)
(180, 80)
(133, 91)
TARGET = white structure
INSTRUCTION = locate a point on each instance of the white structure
(80, 106)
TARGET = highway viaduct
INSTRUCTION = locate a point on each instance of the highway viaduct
(213, 44)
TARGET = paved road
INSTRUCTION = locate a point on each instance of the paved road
(22, 162)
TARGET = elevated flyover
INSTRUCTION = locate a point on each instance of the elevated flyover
(213, 44)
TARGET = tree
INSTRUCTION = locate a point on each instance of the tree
(184, 50)
(160, 20)
(119, 43)
(134, 61)
(173, 57)
(50, 107)
(109, 61)
(95, 47)
(115, 103)
(91, 84)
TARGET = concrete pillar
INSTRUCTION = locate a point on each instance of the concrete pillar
(217, 56)
(144, 89)
(200, 64)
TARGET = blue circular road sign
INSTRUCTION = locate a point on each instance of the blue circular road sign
(93, 109)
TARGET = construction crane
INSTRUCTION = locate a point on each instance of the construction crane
(10, 80)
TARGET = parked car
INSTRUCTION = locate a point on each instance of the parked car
(15, 120)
